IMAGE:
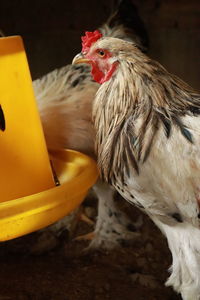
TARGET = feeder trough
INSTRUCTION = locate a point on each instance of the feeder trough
(76, 173)
(30, 199)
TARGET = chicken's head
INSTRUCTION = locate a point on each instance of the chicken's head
(97, 52)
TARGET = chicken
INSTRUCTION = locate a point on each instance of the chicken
(64, 99)
(147, 131)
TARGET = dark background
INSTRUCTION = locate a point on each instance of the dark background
(51, 30)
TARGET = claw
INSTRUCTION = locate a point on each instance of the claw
(85, 219)
(85, 237)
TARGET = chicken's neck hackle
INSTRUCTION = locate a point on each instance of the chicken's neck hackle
(130, 109)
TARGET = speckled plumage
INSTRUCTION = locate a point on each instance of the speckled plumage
(64, 99)
(147, 125)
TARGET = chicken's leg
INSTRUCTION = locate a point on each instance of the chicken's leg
(113, 227)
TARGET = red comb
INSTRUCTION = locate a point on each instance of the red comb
(89, 39)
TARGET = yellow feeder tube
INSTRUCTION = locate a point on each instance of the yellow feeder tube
(24, 162)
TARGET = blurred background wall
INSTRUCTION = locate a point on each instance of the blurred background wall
(174, 32)
(51, 30)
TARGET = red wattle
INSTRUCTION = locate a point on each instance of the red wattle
(97, 74)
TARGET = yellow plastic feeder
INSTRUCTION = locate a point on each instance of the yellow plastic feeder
(30, 199)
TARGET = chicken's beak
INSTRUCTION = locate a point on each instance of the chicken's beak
(80, 59)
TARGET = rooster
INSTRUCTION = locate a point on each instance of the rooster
(64, 99)
(147, 131)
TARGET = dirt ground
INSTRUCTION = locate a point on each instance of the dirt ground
(133, 272)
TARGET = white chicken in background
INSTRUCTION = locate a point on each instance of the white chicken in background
(65, 99)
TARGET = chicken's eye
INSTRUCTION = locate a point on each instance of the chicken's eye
(101, 53)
